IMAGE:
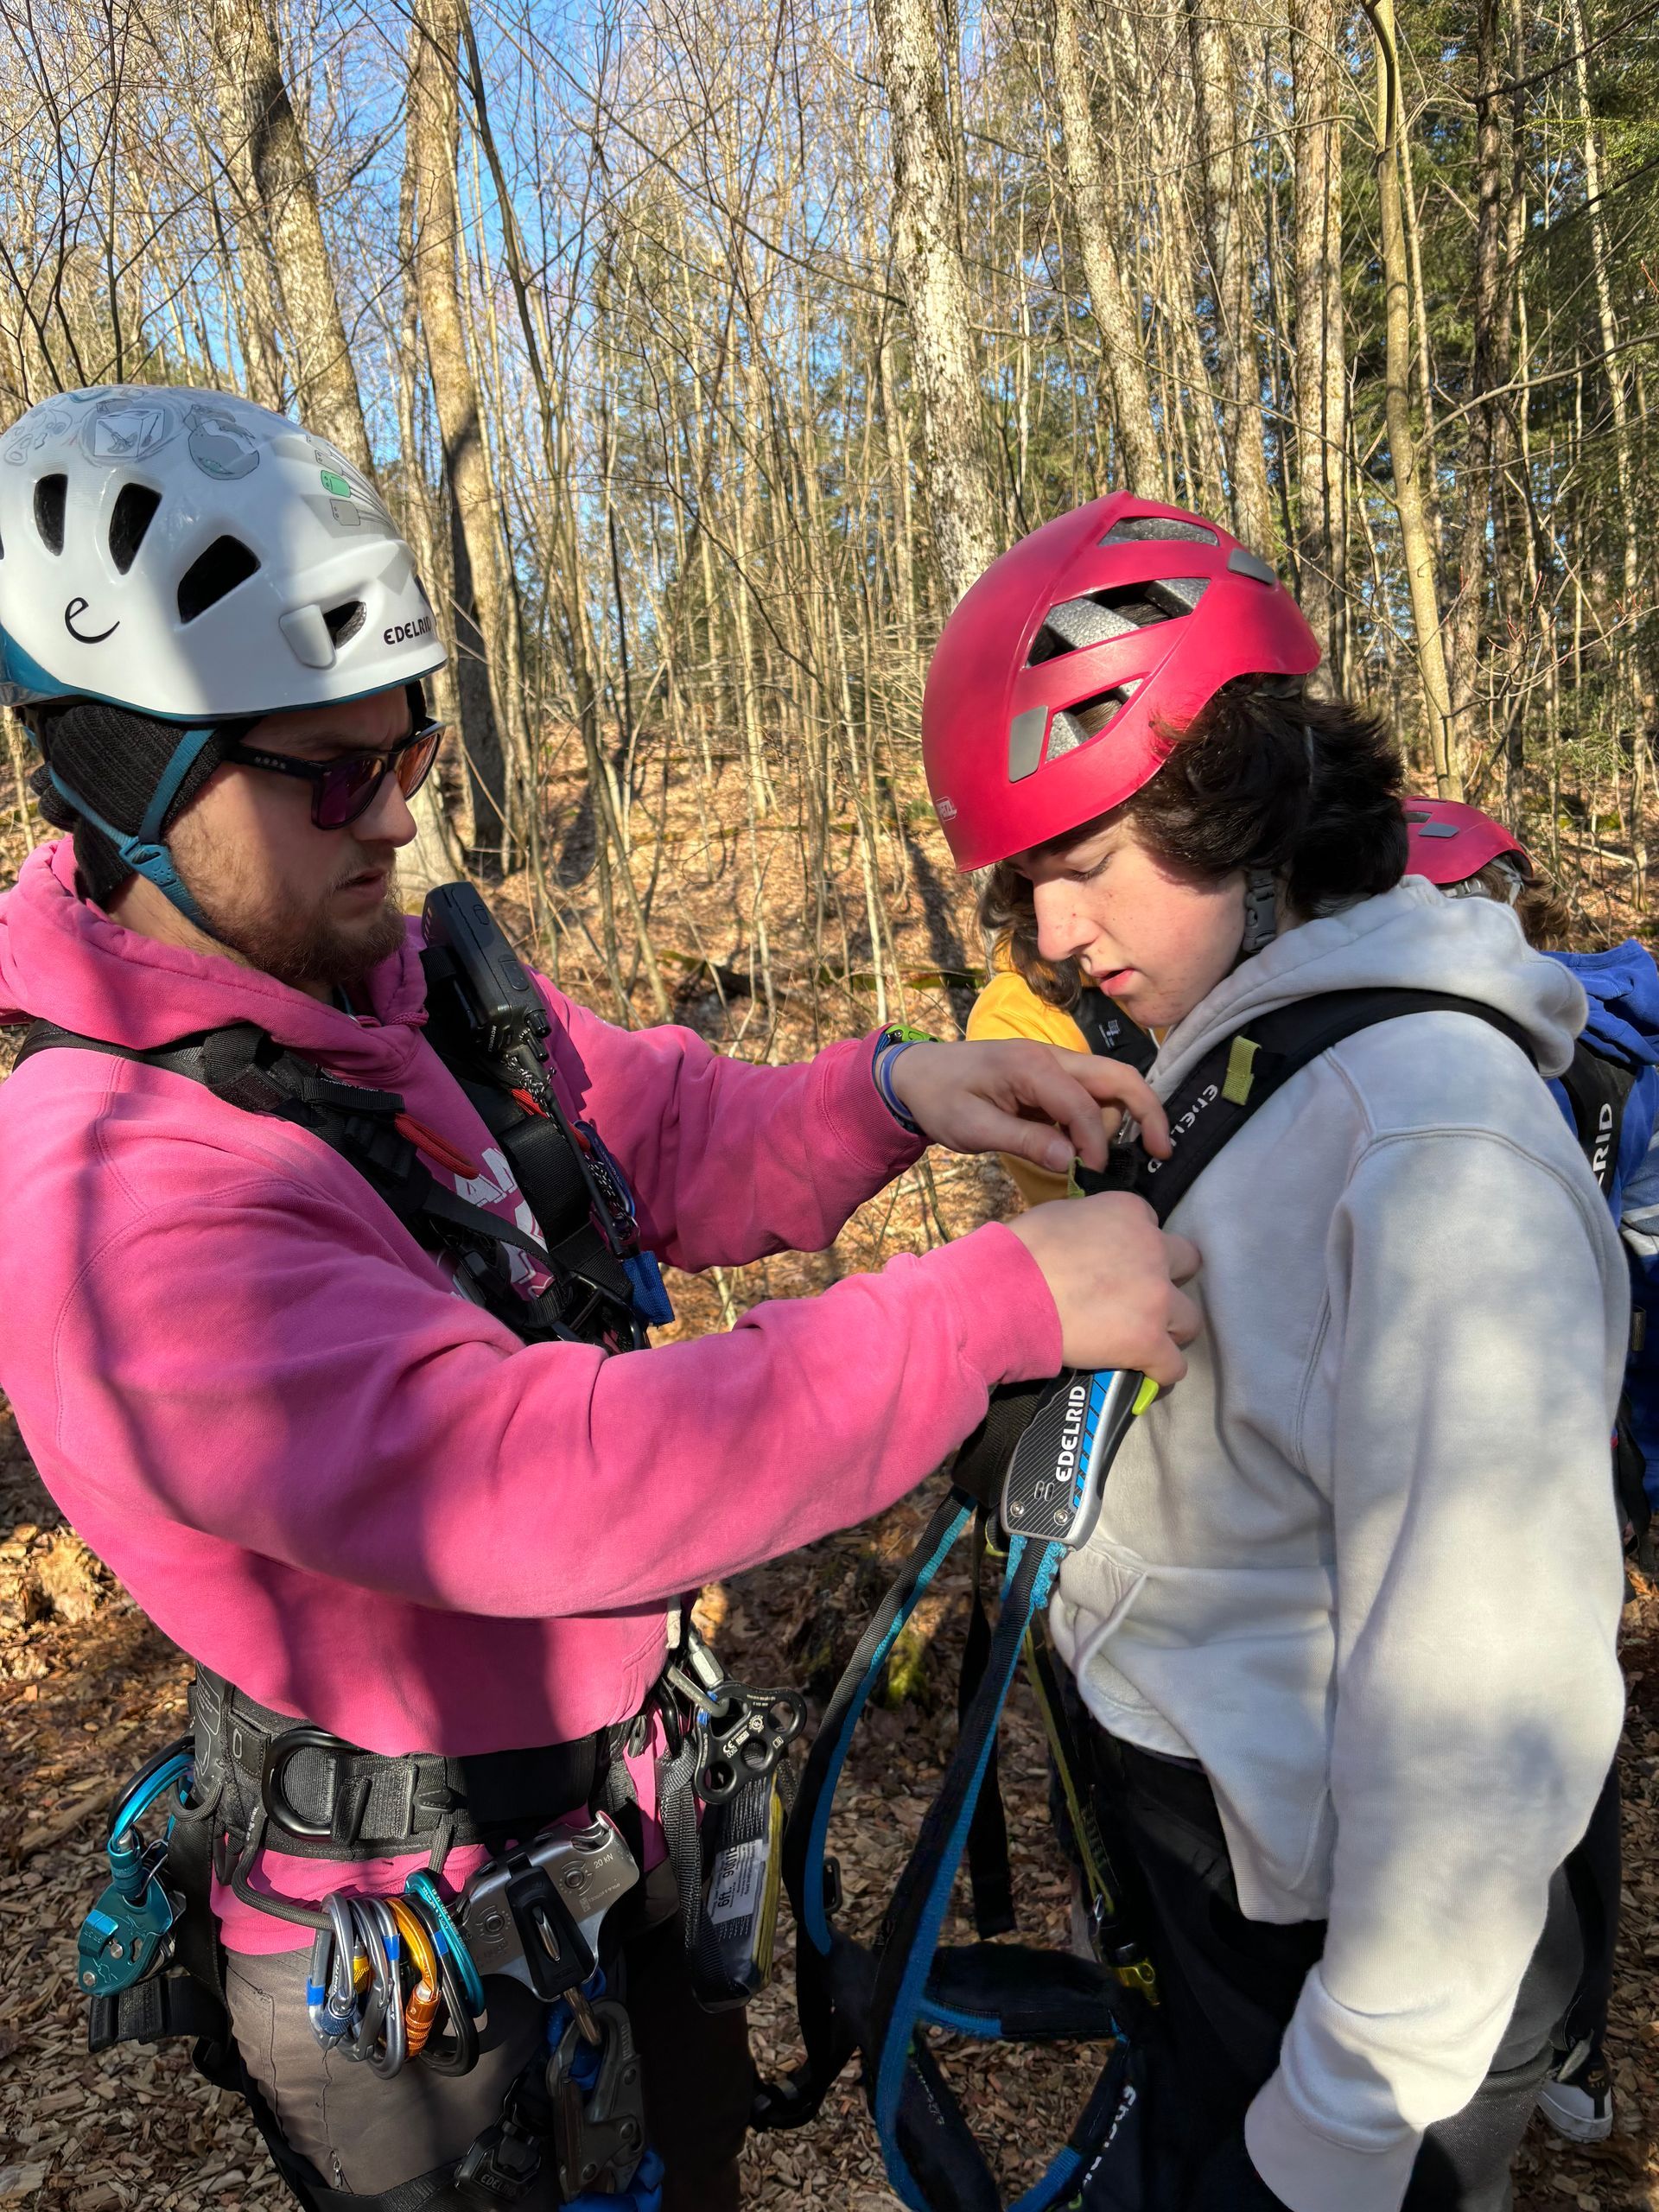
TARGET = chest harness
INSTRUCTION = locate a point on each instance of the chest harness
(394, 1981)
(1027, 1488)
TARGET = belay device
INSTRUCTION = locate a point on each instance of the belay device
(1041, 1457)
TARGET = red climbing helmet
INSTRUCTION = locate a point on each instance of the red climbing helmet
(1448, 843)
(1121, 603)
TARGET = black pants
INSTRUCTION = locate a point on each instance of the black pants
(1229, 1985)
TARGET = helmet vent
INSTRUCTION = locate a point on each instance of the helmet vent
(1137, 530)
(1075, 725)
(1077, 624)
(131, 516)
(50, 495)
(345, 620)
(226, 563)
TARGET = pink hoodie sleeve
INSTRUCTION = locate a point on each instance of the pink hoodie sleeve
(348, 1414)
(728, 1160)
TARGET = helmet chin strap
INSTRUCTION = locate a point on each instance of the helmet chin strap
(1260, 909)
(147, 853)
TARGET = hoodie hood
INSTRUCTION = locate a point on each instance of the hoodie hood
(1622, 989)
(1411, 937)
(64, 959)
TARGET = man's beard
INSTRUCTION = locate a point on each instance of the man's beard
(301, 948)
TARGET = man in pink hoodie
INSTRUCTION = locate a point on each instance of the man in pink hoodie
(318, 1455)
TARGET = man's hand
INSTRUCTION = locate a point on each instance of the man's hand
(1037, 1101)
(1112, 1273)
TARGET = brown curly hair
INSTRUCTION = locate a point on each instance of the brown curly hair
(1546, 918)
(1263, 777)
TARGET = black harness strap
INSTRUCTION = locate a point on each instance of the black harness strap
(1599, 1089)
(1111, 1034)
(1235, 1078)
(246, 1069)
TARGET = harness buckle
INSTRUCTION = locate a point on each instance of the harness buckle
(280, 1811)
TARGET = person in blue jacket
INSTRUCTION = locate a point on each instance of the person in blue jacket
(1610, 1097)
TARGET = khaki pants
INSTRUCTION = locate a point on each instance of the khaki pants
(365, 2136)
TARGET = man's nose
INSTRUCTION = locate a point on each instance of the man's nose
(387, 821)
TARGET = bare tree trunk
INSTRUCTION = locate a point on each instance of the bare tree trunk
(1116, 310)
(1217, 105)
(1405, 455)
(928, 253)
(1321, 380)
(1491, 360)
(1607, 322)
(249, 280)
(480, 589)
(260, 119)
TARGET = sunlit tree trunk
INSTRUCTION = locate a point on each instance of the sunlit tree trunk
(261, 119)
(1405, 452)
(480, 589)
(1116, 307)
(928, 255)
(1321, 384)
(1217, 104)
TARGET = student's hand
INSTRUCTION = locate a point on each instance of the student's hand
(1113, 1273)
(1039, 1102)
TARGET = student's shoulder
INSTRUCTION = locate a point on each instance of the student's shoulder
(1008, 1006)
(1443, 1074)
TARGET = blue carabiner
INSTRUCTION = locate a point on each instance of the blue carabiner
(125, 1849)
(447, 1937)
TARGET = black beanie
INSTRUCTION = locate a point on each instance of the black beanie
(114, 759)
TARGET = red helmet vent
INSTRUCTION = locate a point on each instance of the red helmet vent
(1137, 530)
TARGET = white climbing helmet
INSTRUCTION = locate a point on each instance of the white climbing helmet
(189, 555)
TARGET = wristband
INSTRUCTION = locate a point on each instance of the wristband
(896, 1038)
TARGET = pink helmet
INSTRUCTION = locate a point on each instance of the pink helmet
(1122, 603)
(1448, 843)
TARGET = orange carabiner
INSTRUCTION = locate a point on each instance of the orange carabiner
(427, 1996)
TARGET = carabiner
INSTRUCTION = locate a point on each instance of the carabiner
(378, 2036)
(427, 1996)
(338, 1974)
(451, 1944)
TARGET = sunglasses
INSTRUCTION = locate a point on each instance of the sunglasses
(343, 790)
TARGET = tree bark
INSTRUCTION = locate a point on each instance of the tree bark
(928, 253)
(1607, 324)
(1116, 310)
(1321, 379)
(1492, 357)
(1405, 454)
(432, 142)
(263, 132)
(1217, 107)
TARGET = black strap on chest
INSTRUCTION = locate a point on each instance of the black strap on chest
(588, 1297)
(1235, 1078)
(1599, 1089)
(1111, 1034)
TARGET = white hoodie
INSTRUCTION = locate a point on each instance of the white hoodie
(1362, 1563)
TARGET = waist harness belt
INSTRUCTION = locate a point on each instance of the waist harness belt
(1042, 1454)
